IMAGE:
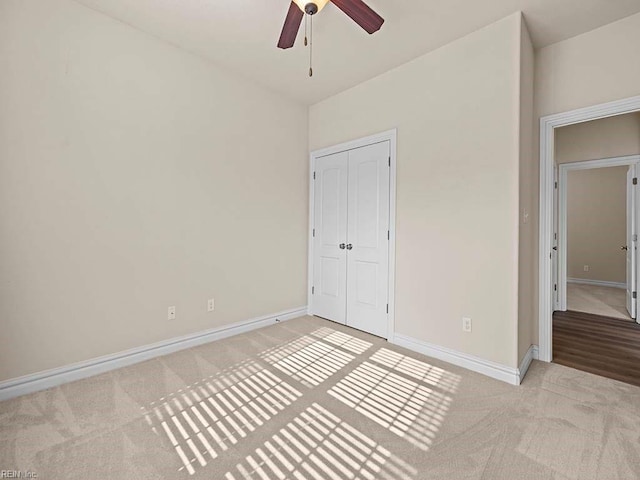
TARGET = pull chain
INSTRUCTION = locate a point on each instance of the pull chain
(311, 46)
(305, 30)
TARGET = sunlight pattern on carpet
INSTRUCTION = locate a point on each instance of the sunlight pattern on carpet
(204, 419)
(416, 369)
(408, 409)
(211, 418)
(307, 360)
(343, 340)
(319, 445)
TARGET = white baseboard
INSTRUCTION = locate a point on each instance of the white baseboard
(599, 283)
(69, 373)
(476, 364)
(531, 355)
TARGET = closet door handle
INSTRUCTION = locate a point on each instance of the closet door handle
(349, 246)
(341, 246)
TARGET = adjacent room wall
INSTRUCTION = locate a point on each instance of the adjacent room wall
(596, 224)
(605, 138)
(457, 114)
(527, 247)
(134, 176)
(596, 199)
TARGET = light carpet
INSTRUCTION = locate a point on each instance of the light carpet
(312, 399)
(605, 301)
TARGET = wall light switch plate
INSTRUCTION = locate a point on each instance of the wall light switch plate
(171, 313)
(586, 268)
(466, 324)
(211, 305)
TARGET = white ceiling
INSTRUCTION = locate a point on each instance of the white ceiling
(241, 35)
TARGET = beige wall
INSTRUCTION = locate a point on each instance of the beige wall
(134, 176)
(527, 280)
(592, 68)
(457, 114)
(124, 185)
(596, 224)
(605, 138)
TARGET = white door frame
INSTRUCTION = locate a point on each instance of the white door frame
(390, 136)
(548, 125)
(565, 168)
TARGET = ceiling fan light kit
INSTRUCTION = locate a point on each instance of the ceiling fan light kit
(311, 8)
(357, 10)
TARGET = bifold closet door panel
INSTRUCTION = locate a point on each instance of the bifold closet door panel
(367, 238)
(330, 223)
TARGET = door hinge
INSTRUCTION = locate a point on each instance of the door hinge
(387, 308)
(313, 290)
(635, 180)
(555, 287)
(634, 237)
(555, 185)
(555, 236)
(635, 295)
(388, 235)
(389, 160)
(314, 175)
(314, 232)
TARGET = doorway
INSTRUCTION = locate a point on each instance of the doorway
(597, 237)
(595, 233)
(548, 233)
(352, 234)
(547, 228)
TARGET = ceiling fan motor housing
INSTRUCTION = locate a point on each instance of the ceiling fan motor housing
(357, 10)
(311, 8)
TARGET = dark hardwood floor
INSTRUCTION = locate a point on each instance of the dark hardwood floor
(601, 345)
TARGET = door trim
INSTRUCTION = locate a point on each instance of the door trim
(391, 137)
(564, 169)
(548, 124)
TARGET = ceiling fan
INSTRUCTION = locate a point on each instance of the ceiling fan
(357, 10)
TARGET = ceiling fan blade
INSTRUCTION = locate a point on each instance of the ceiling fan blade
(290, 27)
(360, 13)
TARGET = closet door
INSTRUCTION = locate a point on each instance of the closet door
(330, 222)
(367, 238)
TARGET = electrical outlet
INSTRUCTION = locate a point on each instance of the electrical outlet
(586, 268)
(171, 313)
(210, 305)
(466, 324)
